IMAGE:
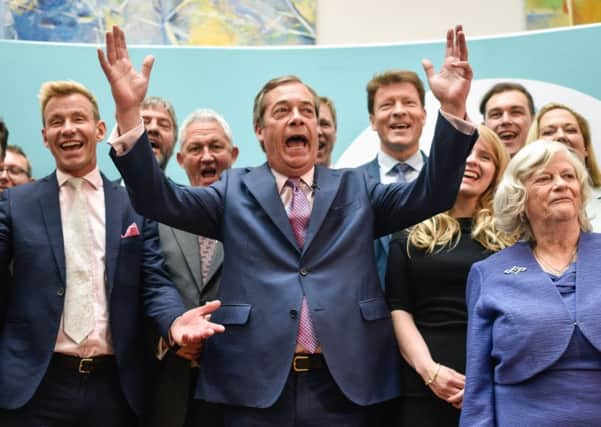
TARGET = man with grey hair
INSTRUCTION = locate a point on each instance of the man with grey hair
(194, 265)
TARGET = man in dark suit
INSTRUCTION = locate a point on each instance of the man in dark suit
(396, 106)
(309, 339)
(206, 150)
(81, 268)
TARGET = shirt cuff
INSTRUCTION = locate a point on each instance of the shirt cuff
(162, 349)
(464, 126)
(122, 144)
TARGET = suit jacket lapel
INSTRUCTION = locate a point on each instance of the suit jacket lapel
(261, 184)
(113, 208)
(51, 212)
(326, 182)
(188, 244)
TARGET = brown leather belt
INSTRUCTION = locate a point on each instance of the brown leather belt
(85, 365)
(308, 362)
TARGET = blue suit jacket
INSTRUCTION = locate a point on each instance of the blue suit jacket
(518, 324)
(265, 274)
(32, 270)
(381, 245)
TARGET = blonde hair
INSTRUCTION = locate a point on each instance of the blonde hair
(591, 160)
(51, 89)
(443, 231)
(511, 196)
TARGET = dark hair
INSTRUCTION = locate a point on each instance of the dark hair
(16, 149)
(506, 87)
(3, 138)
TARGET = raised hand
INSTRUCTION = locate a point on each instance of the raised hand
(194, 325)
(127, 85)
(452, 84)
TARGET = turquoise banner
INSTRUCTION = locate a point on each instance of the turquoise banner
(559, 65)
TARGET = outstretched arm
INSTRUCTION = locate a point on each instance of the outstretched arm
(452, 84)
(128, 86)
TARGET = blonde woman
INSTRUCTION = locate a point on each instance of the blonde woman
(558, 122)
(425, 285)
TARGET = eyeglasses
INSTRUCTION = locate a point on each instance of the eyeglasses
(13, 170)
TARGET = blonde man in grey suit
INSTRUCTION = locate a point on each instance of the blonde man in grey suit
(194, 264)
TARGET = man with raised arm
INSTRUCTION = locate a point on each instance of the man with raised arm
(308, 337)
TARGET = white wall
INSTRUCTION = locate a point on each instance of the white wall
(393, 21)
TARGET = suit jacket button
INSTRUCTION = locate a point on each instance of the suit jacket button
(293, 314)
(60, 292)
(304, 271)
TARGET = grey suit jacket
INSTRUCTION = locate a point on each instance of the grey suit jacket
(171, 388)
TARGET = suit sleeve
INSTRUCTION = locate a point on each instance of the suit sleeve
(397, 206)
(197, 210)
(162, 302)
(5, 251)
(478, 401)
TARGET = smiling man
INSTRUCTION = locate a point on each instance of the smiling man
(309, 339)
(508, 109)
(81, 271)
(395, 102)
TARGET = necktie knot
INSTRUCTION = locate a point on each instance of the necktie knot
(294, 183)
(76, 183)
(399, 170)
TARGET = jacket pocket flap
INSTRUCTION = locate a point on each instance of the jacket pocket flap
(231, 314)
(374, 308)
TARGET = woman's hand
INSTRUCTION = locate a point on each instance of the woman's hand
(447, 385)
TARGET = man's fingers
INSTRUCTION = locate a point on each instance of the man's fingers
(461, 43)
(210, 306)
(147, 66)
(449, 51)
(428, 68)
(120, 45)
(110, 47)
(103, 64)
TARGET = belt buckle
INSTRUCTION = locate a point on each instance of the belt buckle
(298, 357)
(85, 365)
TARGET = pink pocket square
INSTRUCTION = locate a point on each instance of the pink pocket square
(131, 231)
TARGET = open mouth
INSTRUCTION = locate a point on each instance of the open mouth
(471, 174)
(507, 135)
(208, 173)
(71, 145)
(399, 126)
(296, 141)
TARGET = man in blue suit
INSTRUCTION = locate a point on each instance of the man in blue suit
(81, 269)
(309, 339)
(396, 105)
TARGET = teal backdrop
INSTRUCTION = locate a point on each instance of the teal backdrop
(227, 79)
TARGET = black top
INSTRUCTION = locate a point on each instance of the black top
(432, 288)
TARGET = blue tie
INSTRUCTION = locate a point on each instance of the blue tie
(400, 169)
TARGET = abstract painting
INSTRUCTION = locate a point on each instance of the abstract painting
(162, 22)
(560, 13)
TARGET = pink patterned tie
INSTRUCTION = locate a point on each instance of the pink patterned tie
(207, 250)
(299, 213)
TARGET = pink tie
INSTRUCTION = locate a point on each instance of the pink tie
(207, 250)
(299, 213)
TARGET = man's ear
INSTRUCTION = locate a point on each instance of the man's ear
(100, 130)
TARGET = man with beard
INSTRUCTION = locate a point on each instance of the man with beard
(508, 109)
(161, 124)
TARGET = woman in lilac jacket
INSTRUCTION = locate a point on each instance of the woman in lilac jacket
(534, 323)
